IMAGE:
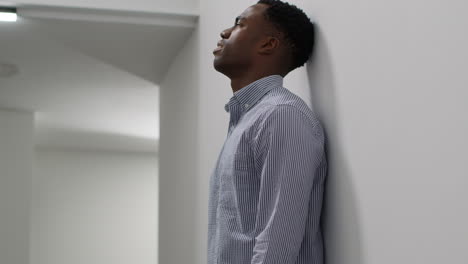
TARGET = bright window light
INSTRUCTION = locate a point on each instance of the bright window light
(8, 14)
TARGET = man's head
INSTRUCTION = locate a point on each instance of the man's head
(269, 37)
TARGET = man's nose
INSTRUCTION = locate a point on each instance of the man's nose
(225, 33)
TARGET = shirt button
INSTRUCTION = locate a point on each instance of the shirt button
(246, 105)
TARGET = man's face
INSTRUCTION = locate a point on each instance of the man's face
(238, 45)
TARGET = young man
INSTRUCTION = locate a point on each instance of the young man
(267, 187)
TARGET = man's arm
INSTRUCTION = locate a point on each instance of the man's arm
(289, 150)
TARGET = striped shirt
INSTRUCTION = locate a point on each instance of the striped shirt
(266, 189)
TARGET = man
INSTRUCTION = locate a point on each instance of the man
(267, 187)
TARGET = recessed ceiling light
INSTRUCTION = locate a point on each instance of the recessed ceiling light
(8, 14)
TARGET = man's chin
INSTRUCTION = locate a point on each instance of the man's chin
(218, 64)
(224, 66)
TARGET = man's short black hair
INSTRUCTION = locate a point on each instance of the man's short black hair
(297, 28)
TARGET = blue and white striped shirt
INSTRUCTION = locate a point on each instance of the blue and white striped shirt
(266, 189)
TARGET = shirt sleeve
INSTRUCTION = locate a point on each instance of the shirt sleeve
(288, 149)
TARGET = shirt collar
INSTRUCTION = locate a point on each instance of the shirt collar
(248, 95)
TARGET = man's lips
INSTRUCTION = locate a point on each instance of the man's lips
(217, 49)
(219, 46)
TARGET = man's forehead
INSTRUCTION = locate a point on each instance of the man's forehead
(253, 11)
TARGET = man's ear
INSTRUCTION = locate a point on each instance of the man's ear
(268, 45)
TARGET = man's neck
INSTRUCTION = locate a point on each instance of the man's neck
(239, 83)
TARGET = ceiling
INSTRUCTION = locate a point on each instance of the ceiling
(90, 76)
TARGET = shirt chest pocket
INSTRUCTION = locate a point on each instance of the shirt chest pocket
(238, 152)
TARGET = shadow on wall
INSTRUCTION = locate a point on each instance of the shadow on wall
(341, 214)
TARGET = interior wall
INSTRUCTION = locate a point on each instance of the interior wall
(388, 83)
(180, 237)
(16, 159)
(94, 207)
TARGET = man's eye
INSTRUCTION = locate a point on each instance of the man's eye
(237, 22)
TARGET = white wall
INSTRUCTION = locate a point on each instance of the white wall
(94, 207)
(180, 237)
(389, 83)
(16, 157)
